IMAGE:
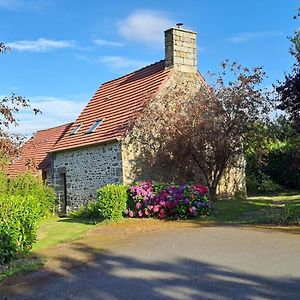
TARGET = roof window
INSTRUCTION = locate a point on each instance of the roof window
(76, 129)
(94, 126)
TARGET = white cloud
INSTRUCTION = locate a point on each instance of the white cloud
(40, 45)
(145, 26)
(120, 63)
(55, 111)
(245, 37)
(100, 42)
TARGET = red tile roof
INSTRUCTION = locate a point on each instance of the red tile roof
(116, 102)
(36, 150)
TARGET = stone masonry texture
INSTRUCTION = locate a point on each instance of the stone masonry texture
(180, 50)
(87, 169)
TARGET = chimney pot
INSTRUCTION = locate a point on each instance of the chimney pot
(179, 25)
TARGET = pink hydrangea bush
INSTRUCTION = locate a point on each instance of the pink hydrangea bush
(149, 199)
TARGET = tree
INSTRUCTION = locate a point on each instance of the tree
(271, 154)
(289, 90)
(204, 134)
(9, 107)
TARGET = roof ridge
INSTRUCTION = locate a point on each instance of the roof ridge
(133, 72)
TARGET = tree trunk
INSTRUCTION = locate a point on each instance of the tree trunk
(213, 193)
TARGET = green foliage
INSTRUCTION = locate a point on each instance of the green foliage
(28, 184)
(112, 200)
(287, 216)
(252, 185)
(271, 153)
(20, 265)
(3, 183)
(239, 196)
(89, 211)
(111, 204)
(19, 216)
(24, 200)
(267, 184)
(261, 183)
(282, 167)
(7, 246)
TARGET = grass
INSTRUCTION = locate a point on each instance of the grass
(272, 208)
(55, 230)
(24, 264)
(263, 209)
(52, 231)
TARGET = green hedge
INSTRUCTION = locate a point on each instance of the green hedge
(112, 201)
(110, 204)
(27, 184)
(24, 200)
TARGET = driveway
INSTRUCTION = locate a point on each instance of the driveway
(178, 262)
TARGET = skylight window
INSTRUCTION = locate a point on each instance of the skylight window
(94, 126)
(76, 129)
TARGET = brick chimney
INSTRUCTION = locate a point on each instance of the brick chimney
(180, 49)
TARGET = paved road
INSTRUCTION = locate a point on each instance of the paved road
(182, 263)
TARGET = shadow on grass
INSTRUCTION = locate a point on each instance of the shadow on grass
(87, 221)
(113, 276)
(23, 264)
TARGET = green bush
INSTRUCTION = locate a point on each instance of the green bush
(252, 185)
(8, 248)
(272, 149)
(27, 184)
(24, 200)
(286, 216)
(282, 167)
(112, 200)
(3, 184)
(261, 183)
(89, 210)
(267, 184)
(19, 216)
(239, 196)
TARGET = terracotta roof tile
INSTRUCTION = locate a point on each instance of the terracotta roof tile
(36, 149)
(116, 102)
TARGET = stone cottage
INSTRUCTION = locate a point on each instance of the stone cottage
(94, 150)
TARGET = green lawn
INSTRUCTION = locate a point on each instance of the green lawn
(55, 230)
(258, 209)
(52, 231)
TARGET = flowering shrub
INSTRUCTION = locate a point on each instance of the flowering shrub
(148, 199)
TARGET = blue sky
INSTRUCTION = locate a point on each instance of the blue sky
(62, 50)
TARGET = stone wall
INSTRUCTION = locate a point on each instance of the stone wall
(234, 179)
(86, 170)
(135, 165)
